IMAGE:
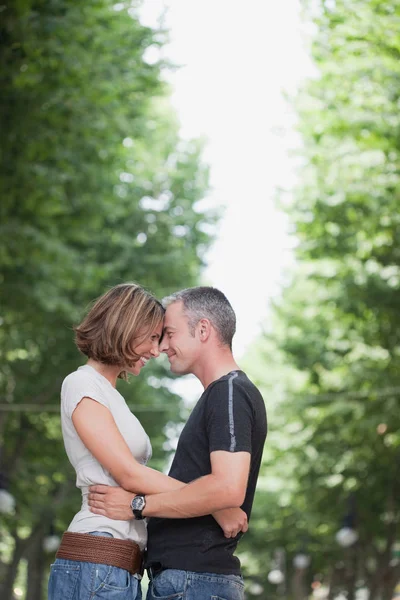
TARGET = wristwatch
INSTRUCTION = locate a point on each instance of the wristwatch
(137, 505)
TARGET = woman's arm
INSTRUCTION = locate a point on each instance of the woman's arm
(97, 429)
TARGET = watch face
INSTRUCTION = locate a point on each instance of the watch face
(138, 503)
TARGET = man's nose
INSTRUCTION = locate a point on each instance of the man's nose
(163, 345)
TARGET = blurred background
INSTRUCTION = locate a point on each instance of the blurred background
(254, 146)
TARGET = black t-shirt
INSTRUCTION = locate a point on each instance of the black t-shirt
(230, 415)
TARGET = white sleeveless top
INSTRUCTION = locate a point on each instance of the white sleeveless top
(87, 382)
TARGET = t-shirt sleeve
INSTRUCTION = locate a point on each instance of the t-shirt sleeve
(77, 386)
(230, 418)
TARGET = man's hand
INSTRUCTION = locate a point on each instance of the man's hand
(232, 521)
(112, 502)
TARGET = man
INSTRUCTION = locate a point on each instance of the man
(219, 452)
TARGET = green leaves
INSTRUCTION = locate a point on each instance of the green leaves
(331, 364)
(97, 188)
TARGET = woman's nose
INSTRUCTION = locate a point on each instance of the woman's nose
(155, 350)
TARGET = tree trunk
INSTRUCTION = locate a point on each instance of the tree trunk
(390, 581)
(36, 566)
(373, 592)
(299, 591)
(6, 588)
(352, 573)
(336, 580)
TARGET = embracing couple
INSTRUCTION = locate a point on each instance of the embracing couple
(199, 511)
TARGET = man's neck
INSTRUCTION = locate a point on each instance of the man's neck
(216, 366)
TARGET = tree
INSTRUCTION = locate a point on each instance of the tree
(97, 188)
(336, 328)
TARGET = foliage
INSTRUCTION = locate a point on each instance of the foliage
(336, 431)
(97, 188)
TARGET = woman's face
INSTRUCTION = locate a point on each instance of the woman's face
(147, 349)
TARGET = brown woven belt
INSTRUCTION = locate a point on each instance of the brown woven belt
(124, 554)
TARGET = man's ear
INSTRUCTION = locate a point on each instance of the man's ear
(204, 328)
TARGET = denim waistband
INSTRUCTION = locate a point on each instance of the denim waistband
(101, 533)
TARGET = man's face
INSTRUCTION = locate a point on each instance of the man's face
(181, 347)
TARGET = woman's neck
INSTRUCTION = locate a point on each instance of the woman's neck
(110, 372)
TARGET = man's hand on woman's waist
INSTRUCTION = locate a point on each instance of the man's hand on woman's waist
(111, 502)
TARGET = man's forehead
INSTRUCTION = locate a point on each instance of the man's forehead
(174, 312)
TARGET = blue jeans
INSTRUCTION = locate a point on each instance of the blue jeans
(74, 580)
(187, 585)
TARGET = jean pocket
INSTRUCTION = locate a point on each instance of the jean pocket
(166, 587)
(111, 578)
(62, 581)
(156, 594)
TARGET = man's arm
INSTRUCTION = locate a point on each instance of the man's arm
(229, 419)
(224, 487)
(115, 503)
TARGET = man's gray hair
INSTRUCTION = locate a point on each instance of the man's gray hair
(205, 302)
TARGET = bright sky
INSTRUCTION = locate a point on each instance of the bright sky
(237, 59)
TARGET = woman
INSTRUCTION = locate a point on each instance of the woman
(106, 444)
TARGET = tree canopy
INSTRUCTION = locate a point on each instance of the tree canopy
(97, 188)
(330, 362)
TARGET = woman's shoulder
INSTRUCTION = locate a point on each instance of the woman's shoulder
(81, 383)
(83, 376)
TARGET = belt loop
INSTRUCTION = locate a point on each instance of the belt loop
(141, 568)
(154, 571)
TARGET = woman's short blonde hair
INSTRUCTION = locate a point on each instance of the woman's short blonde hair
(117, 322)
